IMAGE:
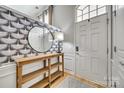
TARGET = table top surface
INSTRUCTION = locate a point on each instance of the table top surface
(41, 56)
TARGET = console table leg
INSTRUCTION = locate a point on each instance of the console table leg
(63, 65)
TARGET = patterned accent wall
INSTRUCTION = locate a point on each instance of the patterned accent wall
(14, 30)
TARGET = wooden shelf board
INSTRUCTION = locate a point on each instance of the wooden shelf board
(43, 83)
(33, 75)
(56, 82)
(56, 64)
(55, 75)
(29, 60)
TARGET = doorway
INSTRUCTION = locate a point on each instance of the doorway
(91, 54)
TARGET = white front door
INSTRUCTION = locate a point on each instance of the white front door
(91, 38)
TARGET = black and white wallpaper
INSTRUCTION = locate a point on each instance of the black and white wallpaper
(14, 28)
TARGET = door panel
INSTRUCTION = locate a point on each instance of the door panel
(84, 60)
(83, 43)
(84, 63)
(91, 37)
(95, 65)
(98, 48)
(94, 42)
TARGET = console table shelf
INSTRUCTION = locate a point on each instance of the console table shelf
(47, 80)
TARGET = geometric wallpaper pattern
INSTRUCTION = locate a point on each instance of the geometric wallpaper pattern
(14, 30)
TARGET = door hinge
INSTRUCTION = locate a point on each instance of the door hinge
(115, 12)
(115, 49)
(107, 21)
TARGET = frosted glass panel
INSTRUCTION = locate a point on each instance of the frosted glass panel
(92, 7)
(79, 13)
(101, 10)
(79, 18)
(85, 16)
(85, 10)
(92, 14)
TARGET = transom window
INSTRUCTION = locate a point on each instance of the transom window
(84, 12)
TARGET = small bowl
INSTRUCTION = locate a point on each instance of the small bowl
(17, 25)
(8, 17)
(3, 34)
(8, 40)
(8, 52)
(17, 57)
(2, 9)
(17, 36)
(30, 55)
(8, 28)
(3, 21)
(23, 41)
(17, 15)
(3, 46)
(25, 51)
(25, 32)
(25, 22)
(17, 46)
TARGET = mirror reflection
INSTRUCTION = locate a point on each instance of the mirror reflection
(40, 39)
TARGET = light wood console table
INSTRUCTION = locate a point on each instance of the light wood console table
(48, 79)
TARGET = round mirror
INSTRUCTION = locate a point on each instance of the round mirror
(40, 39)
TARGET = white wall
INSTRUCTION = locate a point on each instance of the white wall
(8, 76)
(63, 17)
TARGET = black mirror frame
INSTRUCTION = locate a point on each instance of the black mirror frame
(51, 35)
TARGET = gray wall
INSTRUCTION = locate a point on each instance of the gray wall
(63, 17)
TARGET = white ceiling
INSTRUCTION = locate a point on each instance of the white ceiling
(29, 10)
